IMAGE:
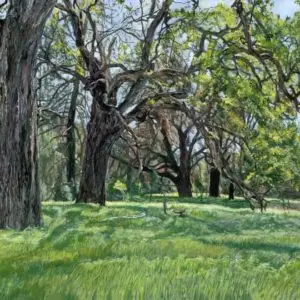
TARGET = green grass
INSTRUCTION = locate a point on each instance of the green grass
(220, 250)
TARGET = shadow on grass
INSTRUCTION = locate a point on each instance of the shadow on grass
(253, 244)
(73, 233)
(198, 200)
(74, 226)
(239, 203)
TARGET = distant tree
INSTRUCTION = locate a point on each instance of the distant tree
(262, 137)
(214, 182)
(71, 141)
(63, 107)
(250, 87)
(231, 191)
(168, 144)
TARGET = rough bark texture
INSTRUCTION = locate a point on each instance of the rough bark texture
(104, 129)
(231, 191)
(19, 186)
(184, 186)
(214, 184)
(71, 142)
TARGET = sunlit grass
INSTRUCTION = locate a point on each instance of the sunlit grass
(217, 251)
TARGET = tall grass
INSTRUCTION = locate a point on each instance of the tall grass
(215, 252)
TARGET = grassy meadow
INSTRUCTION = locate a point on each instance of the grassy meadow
(219, 250)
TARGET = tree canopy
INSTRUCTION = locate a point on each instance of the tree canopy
(154, 85)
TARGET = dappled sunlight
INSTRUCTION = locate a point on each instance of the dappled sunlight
(213, 251)
(149, 150)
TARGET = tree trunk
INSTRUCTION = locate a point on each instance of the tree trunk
(214, 183)
(71, 142)
(129, 180)
(231, 191)
(19, 186)
(104, 128)
(184, 186)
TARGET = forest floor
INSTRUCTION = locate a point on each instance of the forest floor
(132, 250)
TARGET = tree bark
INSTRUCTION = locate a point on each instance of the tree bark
(104, 128)
(71, 142)
(183, 185)
(214, 184)
(231, 191)
(19, 187)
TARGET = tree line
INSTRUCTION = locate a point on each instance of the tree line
(157, 88)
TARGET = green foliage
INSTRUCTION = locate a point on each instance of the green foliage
(114, 193)
(231, 93)
(121, 186)
(198, 186)
(118, 190)
(231, 84)
(51, 169)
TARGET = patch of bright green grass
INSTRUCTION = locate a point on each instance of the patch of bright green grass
(217, 251)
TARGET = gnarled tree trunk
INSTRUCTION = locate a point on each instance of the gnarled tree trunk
(214, 183)
(19, 186)
(104, 128)
(183, 184)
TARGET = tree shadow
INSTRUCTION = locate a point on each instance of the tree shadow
(237, 203)
(254, 245)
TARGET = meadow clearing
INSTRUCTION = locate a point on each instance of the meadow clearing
(132, 250)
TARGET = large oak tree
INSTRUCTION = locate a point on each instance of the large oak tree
(118, 89)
